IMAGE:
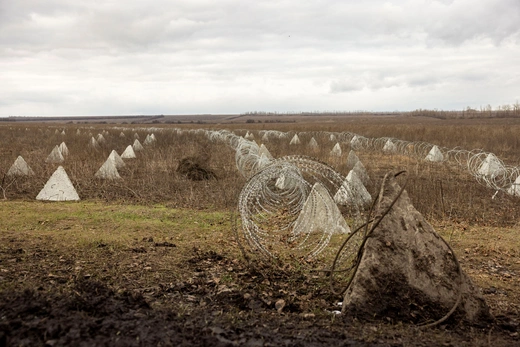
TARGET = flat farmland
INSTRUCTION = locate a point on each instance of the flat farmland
(153, 259)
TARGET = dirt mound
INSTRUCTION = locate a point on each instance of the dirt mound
(195, 169)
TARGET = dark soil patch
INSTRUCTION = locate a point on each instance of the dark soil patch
(195, 169)
(224, 303)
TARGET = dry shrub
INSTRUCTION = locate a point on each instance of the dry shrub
(438, 190)
(194, 169)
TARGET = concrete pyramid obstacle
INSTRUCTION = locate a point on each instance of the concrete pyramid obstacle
(78, 132)
(408, 273)
(491, 166)
(332, 138)
(361, 172)
(262, 162)
(55, 156)
(58, 188)
(108, 171)
(352, 159)
(136, 136)
(295, 140)
(64, 149)
(128, 153)
(356, 142)
(101, 139)
(263, 151)
(265, 138)
(20, 168)
(93, 143)
(249, 136)
(286, 182)
(149, 140)
(353, 193)
(117, 159)
(62, 132)
(336, 150)
(389, 147)
(320, 214)
(122, 134)
(515, 188)
(56, 131)
(137, 146)
(313, 144)
(435, 155)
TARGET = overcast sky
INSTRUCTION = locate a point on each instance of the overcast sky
(102, 57)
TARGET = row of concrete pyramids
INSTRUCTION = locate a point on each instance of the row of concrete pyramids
(108, 170)
(59, 187)
(114, 161)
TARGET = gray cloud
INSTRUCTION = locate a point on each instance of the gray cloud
(204, 56)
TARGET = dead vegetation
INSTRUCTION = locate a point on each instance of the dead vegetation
(194, 169)
(99, 274)
(106, 272)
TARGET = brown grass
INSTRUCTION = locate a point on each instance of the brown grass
(169, 238)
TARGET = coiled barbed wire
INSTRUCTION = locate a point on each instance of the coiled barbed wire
(487, 169)
(288, 207)
(290, 204)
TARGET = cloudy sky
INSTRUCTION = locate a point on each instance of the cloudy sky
(110, 57)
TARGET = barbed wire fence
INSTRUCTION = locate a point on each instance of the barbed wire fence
(289, 205)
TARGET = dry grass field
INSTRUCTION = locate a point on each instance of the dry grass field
(152, 259)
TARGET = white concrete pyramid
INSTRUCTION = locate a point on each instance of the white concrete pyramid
(128, 153)
(63, 132)
(136, 136)
(153, 137)
(354, 140)
(353, 193)
(58, 188)
(64, 149)
(352, 159)
(361, 172)
(100, 139)
(78, 132)
(515, 188)
(263, 161)
(313, 144)
(117, 159)
(249, 136)
(435, 155)
(20, 168)
(295, 140)
(336, 150)
(491, 166)
(149, 140)
(265, 138)
(263, 151)
(320, 214)
(108, 171)
(93, 143)
(55, 156)
(289, 180)
(122, 134)
(285, 182)
(137, 146)
(389, 147)
(332, 138)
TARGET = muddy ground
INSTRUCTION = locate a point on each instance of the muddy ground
(223, 302)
